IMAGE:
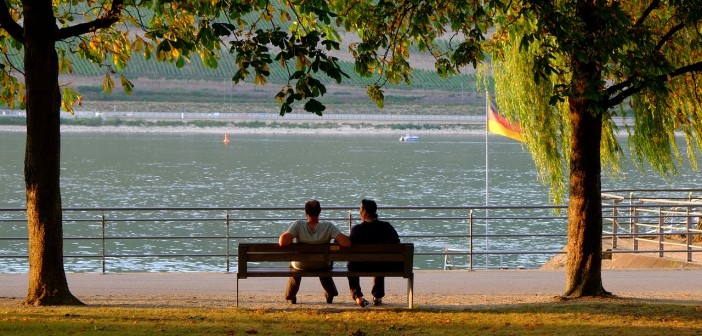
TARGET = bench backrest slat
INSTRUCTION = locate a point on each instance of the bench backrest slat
(271, 252)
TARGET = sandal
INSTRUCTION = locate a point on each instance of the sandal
(361, 302)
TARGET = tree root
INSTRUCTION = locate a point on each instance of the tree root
(66, 299)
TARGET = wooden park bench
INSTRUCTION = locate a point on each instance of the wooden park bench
(272, 260)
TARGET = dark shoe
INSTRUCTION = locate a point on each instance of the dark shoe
(292, 301)
(361, 302)
(330, 299)
(377, 301)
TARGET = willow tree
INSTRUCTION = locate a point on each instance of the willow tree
(38, 38)
(565, 68)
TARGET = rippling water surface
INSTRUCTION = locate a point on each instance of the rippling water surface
(198, 170)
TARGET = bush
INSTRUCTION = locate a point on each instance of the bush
(251, 124)
(405, 127)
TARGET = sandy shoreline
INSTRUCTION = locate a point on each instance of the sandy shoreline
(243, 130)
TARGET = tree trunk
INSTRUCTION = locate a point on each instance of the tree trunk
(47, 278)
(584, 265)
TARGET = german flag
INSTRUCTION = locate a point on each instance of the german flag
(499, 125)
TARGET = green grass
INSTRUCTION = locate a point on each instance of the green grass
(560, 318)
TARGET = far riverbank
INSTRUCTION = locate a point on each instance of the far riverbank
(187, 129)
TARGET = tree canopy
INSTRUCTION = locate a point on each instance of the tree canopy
(647, 56)
(564, 69)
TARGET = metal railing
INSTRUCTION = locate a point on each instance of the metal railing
(672, 221)
(164, 239)
(445, 237)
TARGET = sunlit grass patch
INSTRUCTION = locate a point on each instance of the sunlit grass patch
(569, 318)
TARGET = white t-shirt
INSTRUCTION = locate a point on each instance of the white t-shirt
(324, 233)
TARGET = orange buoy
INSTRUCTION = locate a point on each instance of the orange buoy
(226, 139)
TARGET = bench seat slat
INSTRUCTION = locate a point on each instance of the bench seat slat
(332, 248)
(334, 272)
(287, 257)
(255, 257)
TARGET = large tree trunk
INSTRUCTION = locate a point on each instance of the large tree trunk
(584, 265)
(47, 278)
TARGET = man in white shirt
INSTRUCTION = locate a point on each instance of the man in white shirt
(312, 231)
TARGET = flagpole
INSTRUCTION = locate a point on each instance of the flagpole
(487, 176)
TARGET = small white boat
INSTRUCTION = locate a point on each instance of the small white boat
(410, 138)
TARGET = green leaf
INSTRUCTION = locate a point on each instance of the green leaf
(285, 108)
(223, 29)
(127, 85)
(314, 106)
(108, 84)
(376, 95)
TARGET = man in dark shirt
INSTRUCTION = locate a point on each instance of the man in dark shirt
(371, 231)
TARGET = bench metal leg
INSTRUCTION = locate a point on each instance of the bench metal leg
(410, 294)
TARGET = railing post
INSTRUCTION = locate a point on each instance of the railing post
(350, 221)
(688, 235)
(615, 221)
(102, 239)
(633, 229)
(446, 257)
(470, 237)
(226, 235)
(632, 212)
(660, 231)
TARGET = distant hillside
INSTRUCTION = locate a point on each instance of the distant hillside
(164, 87)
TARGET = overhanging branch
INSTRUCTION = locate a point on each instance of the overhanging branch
(626, 90)
(653, 5)
(669, 35)
(9, 24)
(111, 17)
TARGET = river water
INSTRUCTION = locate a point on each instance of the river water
(199, 170)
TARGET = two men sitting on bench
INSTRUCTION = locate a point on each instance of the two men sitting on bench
(313, 231)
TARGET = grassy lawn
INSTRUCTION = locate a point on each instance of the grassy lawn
(562, 318)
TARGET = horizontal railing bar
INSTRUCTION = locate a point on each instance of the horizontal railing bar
(144, 237)
(477, 252)
(659, 200)
(644, 234)
(653, 190)
(628, 234)
(160, 219)
(93, 256)
(624, 216)
(650, 251)
(300, 208)
(479, 235)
